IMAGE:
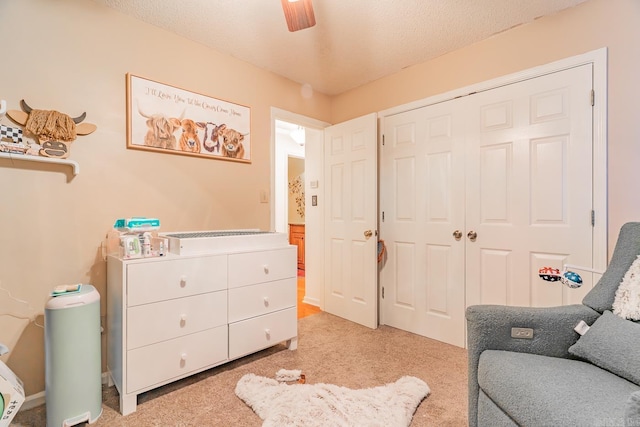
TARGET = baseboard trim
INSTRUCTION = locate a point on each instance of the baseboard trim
(311, 301)
(33, 401)
(37, 399)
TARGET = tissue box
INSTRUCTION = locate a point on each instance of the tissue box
(11, 395)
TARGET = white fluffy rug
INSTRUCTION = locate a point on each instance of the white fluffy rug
(326, 405)
(627, 300)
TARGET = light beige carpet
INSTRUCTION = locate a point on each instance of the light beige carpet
(330, 350)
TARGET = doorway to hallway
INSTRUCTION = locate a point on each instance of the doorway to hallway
(290, 207)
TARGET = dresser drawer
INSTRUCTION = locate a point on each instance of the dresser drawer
(173, 359)
(262, 266)
(159, 281)
(255, 300)
(261, 332)
(161, 321)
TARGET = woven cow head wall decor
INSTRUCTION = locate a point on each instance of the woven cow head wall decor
(55, 131)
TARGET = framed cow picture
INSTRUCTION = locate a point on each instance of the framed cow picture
(172, 120)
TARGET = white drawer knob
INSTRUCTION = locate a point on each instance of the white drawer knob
(266, 301)
(267, 332)
(266, 269)
(183, 356)
(183, 281)
(183, 319)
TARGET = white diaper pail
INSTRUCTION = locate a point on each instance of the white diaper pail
(73, 381)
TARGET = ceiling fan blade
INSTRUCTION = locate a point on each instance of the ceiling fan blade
(299, 14)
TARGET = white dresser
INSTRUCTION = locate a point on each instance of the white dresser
(173, 316)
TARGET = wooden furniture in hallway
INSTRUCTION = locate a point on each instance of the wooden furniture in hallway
(296, 237)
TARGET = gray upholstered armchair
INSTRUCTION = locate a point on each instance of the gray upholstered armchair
(558, 378)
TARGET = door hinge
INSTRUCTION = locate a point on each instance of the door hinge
(593, 218)
(382, 216)
(383, 292)
(383, 139)
(593, 97)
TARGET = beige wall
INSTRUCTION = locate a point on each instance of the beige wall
(589, 26)
(72, 56)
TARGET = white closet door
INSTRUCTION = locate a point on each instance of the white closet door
(512, 166)
(422, 183)
(529, 189)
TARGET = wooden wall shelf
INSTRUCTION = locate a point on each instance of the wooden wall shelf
(28, 158)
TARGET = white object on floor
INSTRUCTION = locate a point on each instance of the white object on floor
(284, 375)
(310, 405)
(627, 300)
(11, 394)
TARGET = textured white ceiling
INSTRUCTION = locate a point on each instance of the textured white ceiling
(353, 42)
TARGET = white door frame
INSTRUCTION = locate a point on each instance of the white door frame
(314, 219)
(298, 119)
(598, 60)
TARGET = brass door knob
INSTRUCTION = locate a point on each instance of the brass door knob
(457, 234)
(472, 235)
(368, 234)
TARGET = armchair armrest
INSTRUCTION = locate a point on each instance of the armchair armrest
(489, 328)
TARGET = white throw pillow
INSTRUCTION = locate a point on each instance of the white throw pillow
(627, 301)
